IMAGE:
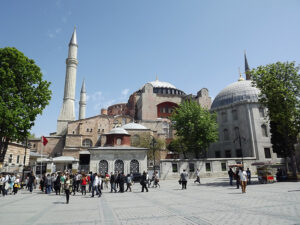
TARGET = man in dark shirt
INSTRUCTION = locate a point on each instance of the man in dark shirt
(31, 181)
(113, 182)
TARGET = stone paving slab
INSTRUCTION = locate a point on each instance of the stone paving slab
(212, 202)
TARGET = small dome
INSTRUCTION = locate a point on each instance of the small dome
(236, 92)
(118, 130)
(134, 126)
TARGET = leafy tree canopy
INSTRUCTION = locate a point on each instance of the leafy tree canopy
(23, 96)
(196, 127)
(279, 84)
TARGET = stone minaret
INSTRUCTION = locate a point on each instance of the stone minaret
(247, 69)
(67, 112)
(82, 102)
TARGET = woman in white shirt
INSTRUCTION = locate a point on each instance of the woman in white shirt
(243, 178)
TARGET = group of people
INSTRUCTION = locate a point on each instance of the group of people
(68, 183)
(9, 184)
(241, 176)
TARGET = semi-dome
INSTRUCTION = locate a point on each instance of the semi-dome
(118, 130)
(239, 91)
(134, 126)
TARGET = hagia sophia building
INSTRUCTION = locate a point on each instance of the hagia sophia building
(103, 143)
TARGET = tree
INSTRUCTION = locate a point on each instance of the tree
(23, 96)
(177, 145)
(279, 84)
(145, 141)
(196, 127)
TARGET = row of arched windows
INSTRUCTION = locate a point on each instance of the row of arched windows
(226, 135)
(119, 166)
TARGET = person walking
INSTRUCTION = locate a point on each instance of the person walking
(1, 183)
(62, 183)
(122, 182)
(230, 174)
(16, 185)
(184, 177)
(113, 182)
(48, 183)
(198, 176)
(31, 181)
(67, 186)
(243, 178)
(156, 179)
(100, 181)
(128, 182)
(57, 185)
(237, 177)
(95, 181)
(83, 184)
(144, 182)
(248, 176)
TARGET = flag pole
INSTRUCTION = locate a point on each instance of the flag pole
(42, 157)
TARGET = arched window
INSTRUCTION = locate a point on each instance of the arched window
(119, 166)
(103, 167)
(135, 140)
(87, 143)
(264, 130)
(134, 166)
(226, 135)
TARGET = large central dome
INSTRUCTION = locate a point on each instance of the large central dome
(236, 92)
(161, 84)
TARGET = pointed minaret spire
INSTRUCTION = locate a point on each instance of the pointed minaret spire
(247, 69)
(73, 40)
(67, 112)
(82, 102)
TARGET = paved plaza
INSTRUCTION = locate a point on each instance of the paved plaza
(212, 202)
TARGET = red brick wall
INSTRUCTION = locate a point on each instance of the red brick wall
(164, 109)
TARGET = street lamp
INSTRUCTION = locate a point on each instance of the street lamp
(153, 142)
(240, 139)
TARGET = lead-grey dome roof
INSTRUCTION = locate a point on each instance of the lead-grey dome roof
(134, 126)
(118, 130)
(236, 92)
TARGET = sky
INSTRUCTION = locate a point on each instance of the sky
(123, 44)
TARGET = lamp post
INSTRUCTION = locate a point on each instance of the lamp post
(153, 141)
(239, 139)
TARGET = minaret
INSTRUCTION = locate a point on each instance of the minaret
(67, 112)
(247, 69)
(82, 102)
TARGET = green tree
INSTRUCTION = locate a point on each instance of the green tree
(146, 141)
(23, 96)
(279, 84)
(196, 127)
(177, 145)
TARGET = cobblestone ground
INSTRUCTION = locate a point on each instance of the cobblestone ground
(212, 202)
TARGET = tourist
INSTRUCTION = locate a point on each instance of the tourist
(144, 182)
(53, 178)
(48, 184)
(16, 185)
(156, 179)
(78, 181)
(57, 185)
(99, 185)
(90, 182)
(1, 183)
(148, 180)
(248, 176)
(42, 182)
(113, 182)
(62, 182)
(237, 177)
(83, 184)
(95, 180)
(128, 182)
(243, 178)
(67, 186)
(31, 181)
(118, 180)
(198, 176)
(230, 174)
(184, 178)
(122, 182)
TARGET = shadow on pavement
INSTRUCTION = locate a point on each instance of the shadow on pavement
(59, 203)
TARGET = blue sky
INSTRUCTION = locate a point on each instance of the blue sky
(122, 44)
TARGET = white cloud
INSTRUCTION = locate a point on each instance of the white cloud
(53, 33)
(125, 92)
(97, 96)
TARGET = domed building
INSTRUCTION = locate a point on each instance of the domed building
(244, 134)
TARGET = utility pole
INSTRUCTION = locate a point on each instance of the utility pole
(239, 139)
